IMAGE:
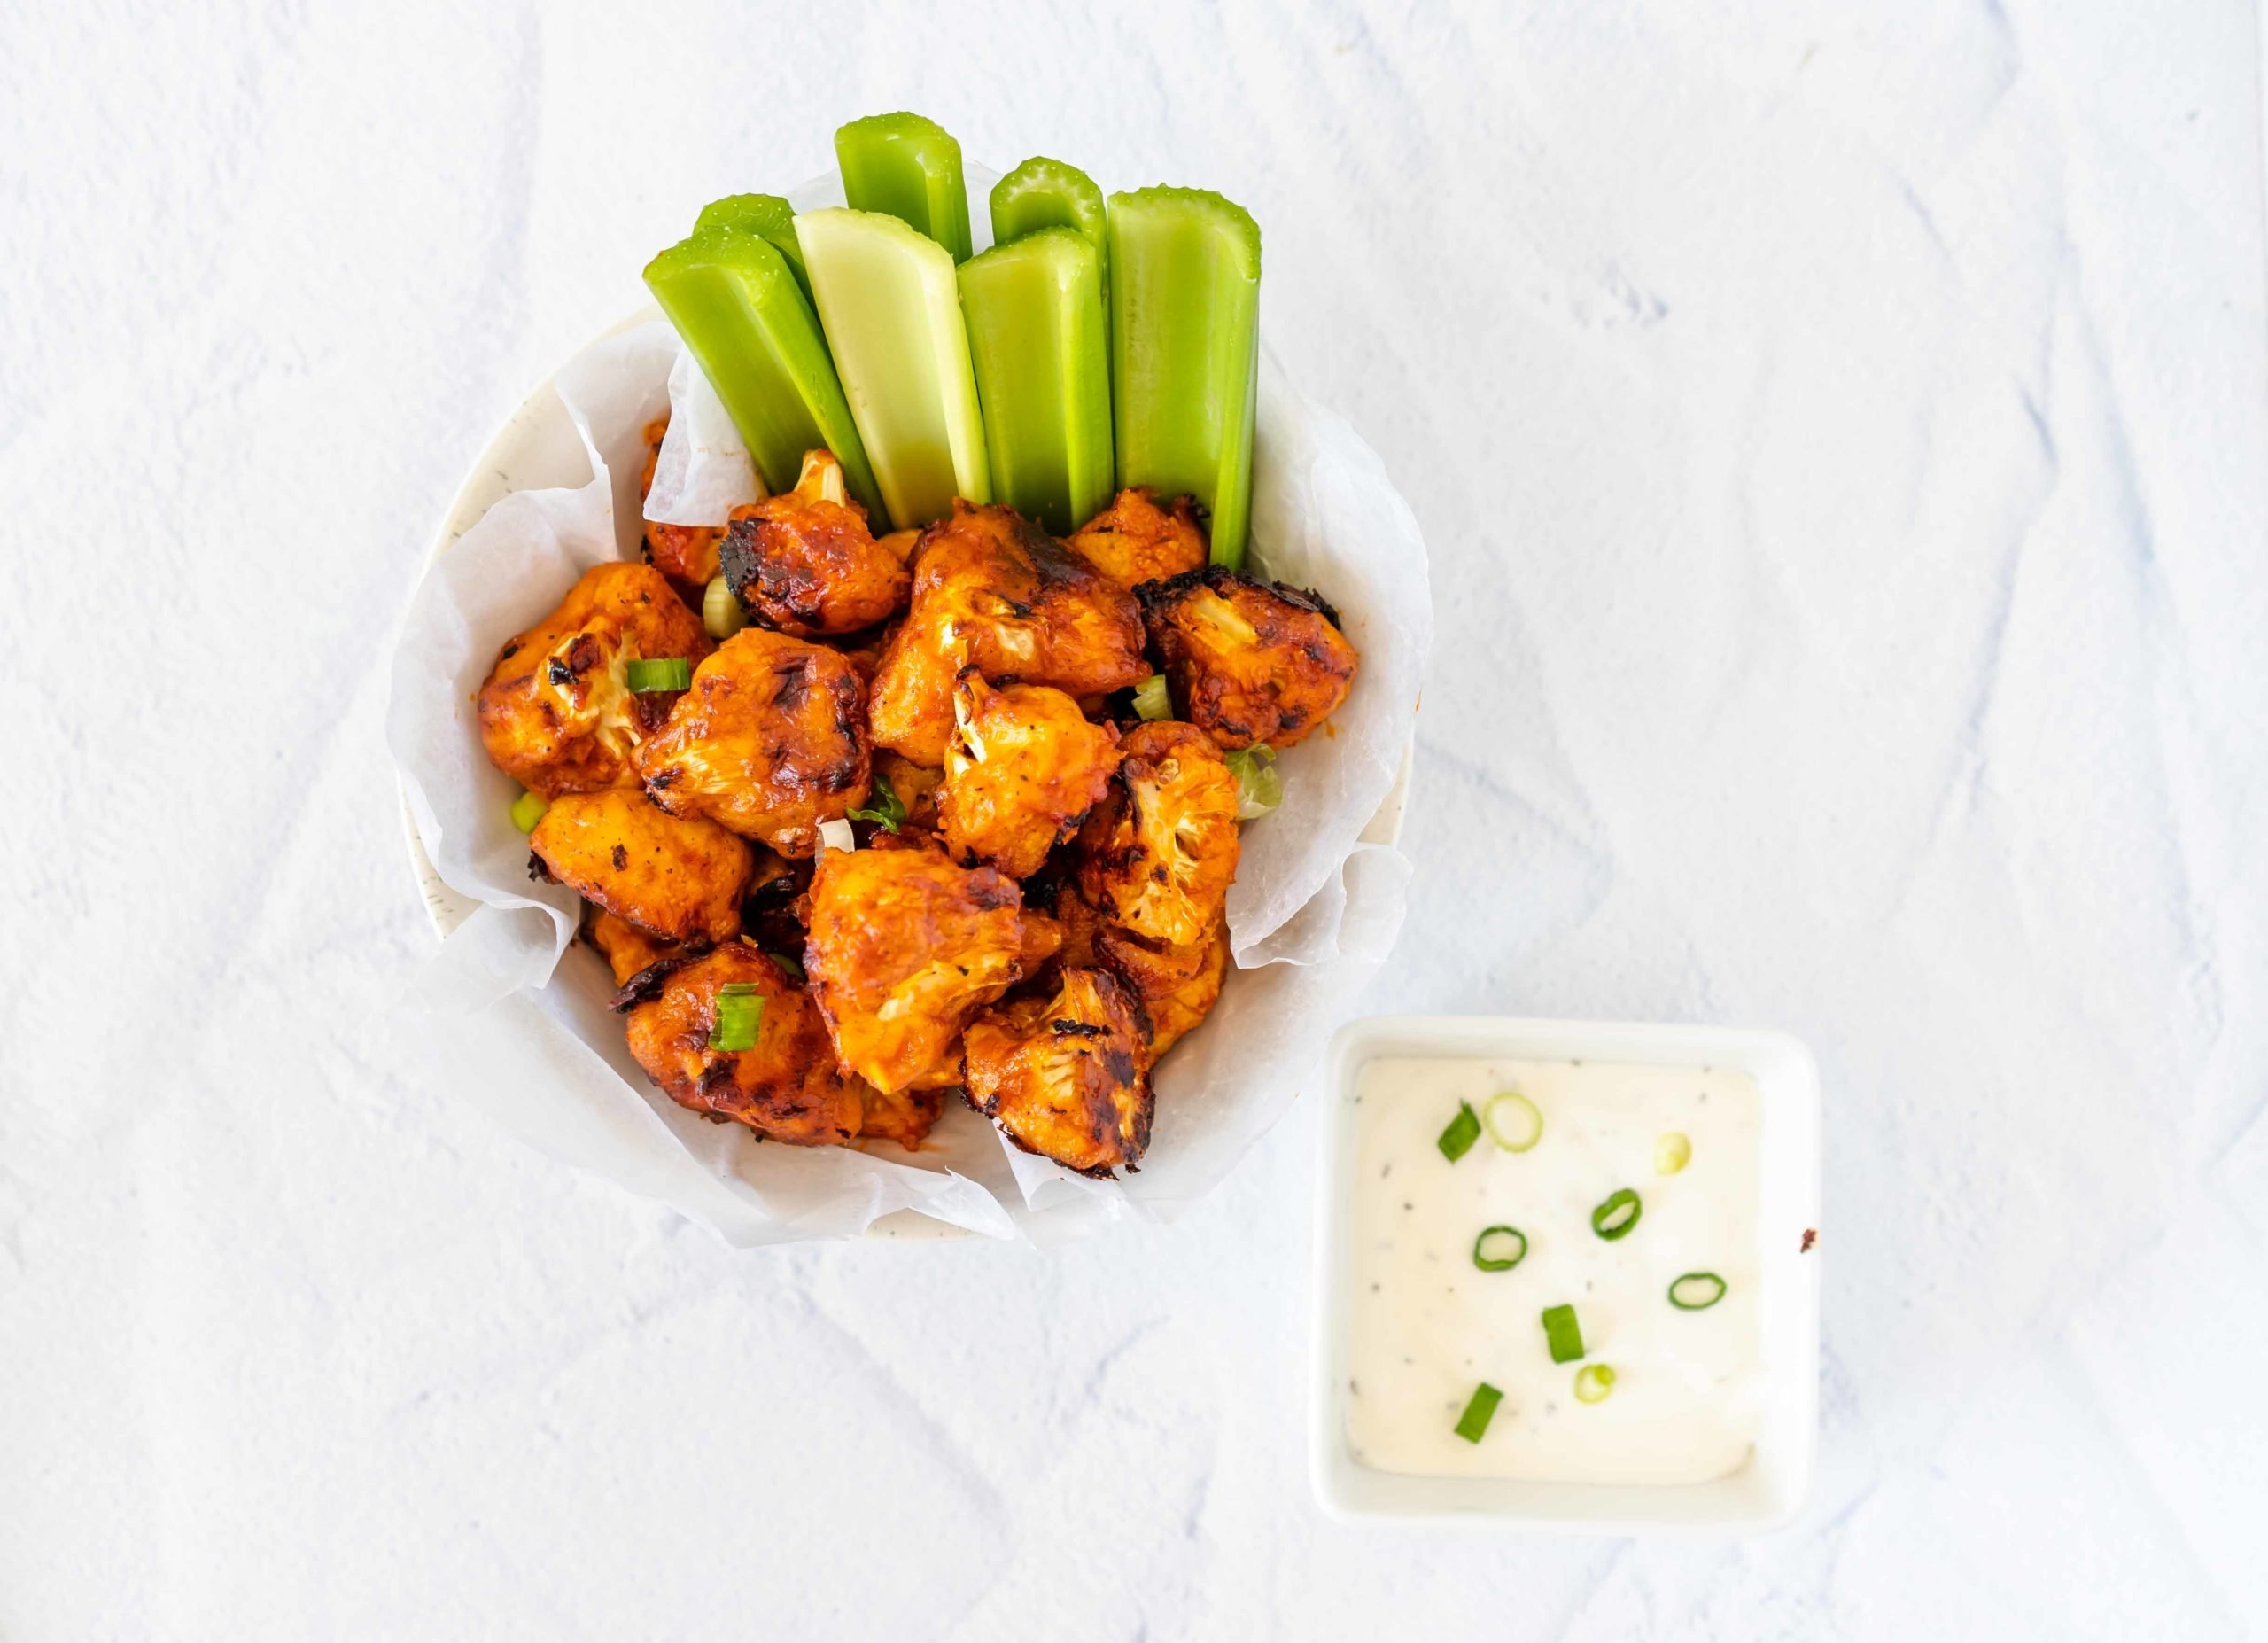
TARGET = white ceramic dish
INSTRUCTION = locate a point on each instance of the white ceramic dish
(536, 448)
(1765, 1493)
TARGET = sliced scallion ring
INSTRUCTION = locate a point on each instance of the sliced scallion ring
(1618, 1215)
(1514, 1122)
(668, 672)
(1696, 1292)
(739, 1017)
(1672, 1153)
(527, 810)
(1563, 1334)
(1594, 1383)
(1463, 1131)
(1499, 1248)
(1473, 1423)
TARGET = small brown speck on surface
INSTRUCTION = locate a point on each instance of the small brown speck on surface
(1811, 1237)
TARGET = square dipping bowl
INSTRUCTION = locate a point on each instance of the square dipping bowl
(1765, 1491)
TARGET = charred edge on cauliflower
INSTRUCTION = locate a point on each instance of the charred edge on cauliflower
(1218, 579)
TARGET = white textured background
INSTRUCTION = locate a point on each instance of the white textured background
(1840, 434)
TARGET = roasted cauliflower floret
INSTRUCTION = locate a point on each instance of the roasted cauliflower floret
(1135, 540)
(1158, 855)
(680, 878)
(1248, 661)
(905, 1116)
(805, 562)
(1180, 1011)
(1022, 770)
(785, 1086)
(994, 592)
(905, 947)
(557, 712)
(685, 553)
(1062, 1075)
(771, 742)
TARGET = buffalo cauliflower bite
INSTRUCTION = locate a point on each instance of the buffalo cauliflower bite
(1021, 772)
(1248, 661)
(1181, 1010)
(680, 879)
(784, 1087)
(805, 562)
(685, 553)
(994, 592)
(1158, 856)
(771, 742)
(1135, 540)
(556, 711)
(904, 947)
(1062, 1075)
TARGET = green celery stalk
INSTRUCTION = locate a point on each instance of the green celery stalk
(1046, 193)
(910, 168)
(1186, 351)
(1035, 315)
(736, 303)
(891, 308)
(765, 215)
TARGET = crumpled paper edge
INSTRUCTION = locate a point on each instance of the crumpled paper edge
(506, 1007)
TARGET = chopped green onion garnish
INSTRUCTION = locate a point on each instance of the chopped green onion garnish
(1499, 1248)
(790, 962)
(1513, 1120)
(669, 673)
(1563, 1334)
(744, 312)
(1696, 1292)
(1672, 1153)
(1038, 341)
(1594, 1383)
(1046, 193)
(739, 1017)
(527, 810)
(1473, 1423)
(1184, 317)
(910, 168)
(1464, 1130)
(1618, 1215)
(1151, 698)
(890, 305)
(720, 611)
(766, 216)
(1259, 788)
(888, 810)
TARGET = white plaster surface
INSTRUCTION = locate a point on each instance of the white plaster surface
(1839, 434)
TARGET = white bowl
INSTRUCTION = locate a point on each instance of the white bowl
(1766, 1491)
(538, 447)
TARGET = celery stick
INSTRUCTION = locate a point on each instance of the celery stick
(910, 168)
(765, 215)
(1046, 193)
(736, 302)
(1185, 350)
(888, 299)
(1035, 336)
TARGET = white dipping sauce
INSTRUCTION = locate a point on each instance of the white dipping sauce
(1429, 1326)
